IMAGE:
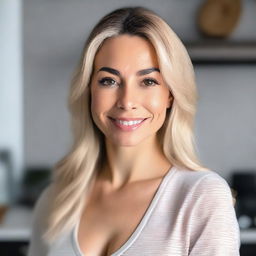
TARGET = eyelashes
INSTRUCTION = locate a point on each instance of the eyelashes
(110, 82)
(107, 81)
(152, 82)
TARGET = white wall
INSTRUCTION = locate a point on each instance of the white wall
(54, 34)
(226, 120)
(11, 91)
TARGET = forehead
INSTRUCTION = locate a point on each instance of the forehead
(126, 52)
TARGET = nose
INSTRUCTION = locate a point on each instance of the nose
(127, 97)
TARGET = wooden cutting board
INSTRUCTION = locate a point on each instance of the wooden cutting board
(218, 18)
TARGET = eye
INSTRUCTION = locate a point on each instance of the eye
(107, 81)
(150, 82)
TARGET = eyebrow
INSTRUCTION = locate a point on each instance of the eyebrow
(139, 73)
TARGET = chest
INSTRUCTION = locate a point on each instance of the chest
(108, 222)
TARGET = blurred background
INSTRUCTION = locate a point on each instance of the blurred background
(40, 46)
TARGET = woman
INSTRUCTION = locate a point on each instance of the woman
(132, 184)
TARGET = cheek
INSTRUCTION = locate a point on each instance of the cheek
(96, 102)
(158, 102)
(100, 102)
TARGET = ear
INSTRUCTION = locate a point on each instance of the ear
(170, 100)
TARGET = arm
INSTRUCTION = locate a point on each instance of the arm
(37, 246)
(214, 228)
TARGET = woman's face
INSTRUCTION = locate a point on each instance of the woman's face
(128, 95)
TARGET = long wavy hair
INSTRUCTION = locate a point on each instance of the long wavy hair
(74, 173)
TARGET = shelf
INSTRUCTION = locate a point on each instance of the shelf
(222, 52)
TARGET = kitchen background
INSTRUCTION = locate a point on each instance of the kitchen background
(40, 45)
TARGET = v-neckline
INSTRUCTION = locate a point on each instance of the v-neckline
(132, 238)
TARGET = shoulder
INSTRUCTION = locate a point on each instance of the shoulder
(44, 198)
(202, 184)
(207, 207)
(37, 245)
(41, 207)
(200, 179)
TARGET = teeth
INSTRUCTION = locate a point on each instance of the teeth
(128, 122)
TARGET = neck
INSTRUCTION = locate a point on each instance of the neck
(129, 164)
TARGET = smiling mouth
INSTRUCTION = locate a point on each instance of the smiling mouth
(127, 119)
(127, 126)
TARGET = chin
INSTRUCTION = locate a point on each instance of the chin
(128, 141)
(125, 143)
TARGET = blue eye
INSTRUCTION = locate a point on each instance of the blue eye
(107, 81)
(150, 82)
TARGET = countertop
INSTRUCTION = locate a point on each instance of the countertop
(16, 224)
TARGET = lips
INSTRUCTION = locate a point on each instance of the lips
(125, 127)
(127, 119)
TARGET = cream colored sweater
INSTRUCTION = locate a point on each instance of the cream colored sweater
(191, 214)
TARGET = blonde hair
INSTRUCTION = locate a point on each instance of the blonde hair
(74, 173)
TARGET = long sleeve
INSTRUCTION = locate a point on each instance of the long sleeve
(37, 247)
(214, 226)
